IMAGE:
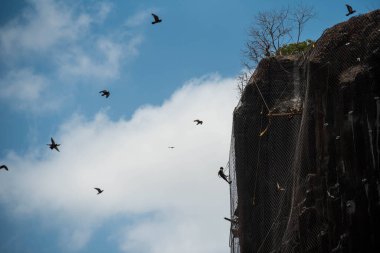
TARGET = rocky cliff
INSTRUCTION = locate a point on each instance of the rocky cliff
(306, 149)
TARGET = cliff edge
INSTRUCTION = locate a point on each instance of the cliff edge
(305, 149)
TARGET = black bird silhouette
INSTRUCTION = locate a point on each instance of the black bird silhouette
(99, 190)
(222, 175)
(198, 121)
(3, 167)
(171, 147)
(53, 145)
(105, 93)
(350, 10)
(156, 19)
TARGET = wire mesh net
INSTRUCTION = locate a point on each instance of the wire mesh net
(304, 159)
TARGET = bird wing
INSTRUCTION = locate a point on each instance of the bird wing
(156, 18)
(349, 8)
(98, 189)
(102, 91)
(4, 166)
(52, 141)
(56, 148)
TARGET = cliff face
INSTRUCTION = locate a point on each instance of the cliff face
(306, 143)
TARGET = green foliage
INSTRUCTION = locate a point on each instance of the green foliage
(295, 48)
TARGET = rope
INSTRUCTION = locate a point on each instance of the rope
(262, 97)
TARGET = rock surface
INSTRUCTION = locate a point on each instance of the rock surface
(306, 139)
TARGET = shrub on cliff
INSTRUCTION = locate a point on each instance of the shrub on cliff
(295, 48)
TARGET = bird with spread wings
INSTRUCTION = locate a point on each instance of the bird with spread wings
(53, 145)
(156, 19)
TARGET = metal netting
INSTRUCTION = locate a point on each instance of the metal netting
(304, 159)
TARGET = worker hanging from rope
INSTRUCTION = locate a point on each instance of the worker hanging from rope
(222, 175)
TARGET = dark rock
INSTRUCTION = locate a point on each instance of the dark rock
(322, 155)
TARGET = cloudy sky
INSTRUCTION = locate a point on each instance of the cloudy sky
(55, 57)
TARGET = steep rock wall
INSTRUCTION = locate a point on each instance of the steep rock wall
(306, 142)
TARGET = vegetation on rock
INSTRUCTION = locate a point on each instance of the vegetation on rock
(295, 48)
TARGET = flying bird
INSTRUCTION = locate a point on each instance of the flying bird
(105, 93)
(222, 175)
(171, 147)
(279, 188)
(3, 167)
(53, 145)
(198, 121)
(350, 10)
(156, 19)
(99, 190)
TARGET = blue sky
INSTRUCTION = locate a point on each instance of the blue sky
(55, 56)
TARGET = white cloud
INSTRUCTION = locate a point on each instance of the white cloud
(103, 10)
(202, 232)
(23, 85)
(56, 26)
(104, 65)
(74, 239)
(26, 90)
(43, 25)
(139, 18)
(58, 38)
(173, 197)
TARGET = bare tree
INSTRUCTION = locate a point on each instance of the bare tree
(243, 80)
(301, 15)
(269, 32)
(273, 29)
(268, 35)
